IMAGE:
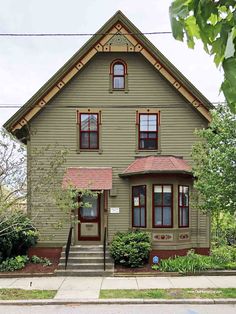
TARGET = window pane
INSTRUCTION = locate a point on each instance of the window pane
(167, 198)
(152, 119)
(167, 188)
(93, 140)
(158, 198)
(143, 135)
(93, 122)
(89, 208)
(119, 82)
(84, 122)
(119, 69)
(139, 192)
(167, 216)
(137, 217)
(142, 223)
(85, 140)
(158, 216)
(185, 216)
(143, 122)
(180, 199)
(157, 189)
(152, 135)
(149, 144)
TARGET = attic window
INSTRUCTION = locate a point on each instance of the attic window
(118, 74)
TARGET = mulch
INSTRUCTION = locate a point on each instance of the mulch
(145, 269)
(35, 268)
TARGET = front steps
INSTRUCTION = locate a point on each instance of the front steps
(85, 260)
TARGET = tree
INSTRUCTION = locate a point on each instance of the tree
(45, 178)
(214, 23)
(214, 165)
(12, 172)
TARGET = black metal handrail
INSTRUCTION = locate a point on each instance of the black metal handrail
(68, 244)
(104, 248)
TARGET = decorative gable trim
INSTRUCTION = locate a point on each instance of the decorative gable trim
(119, 38)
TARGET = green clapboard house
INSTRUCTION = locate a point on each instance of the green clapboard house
(128, 117)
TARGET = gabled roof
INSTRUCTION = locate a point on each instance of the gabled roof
(157, 164)
(105, 40)
(99, 178)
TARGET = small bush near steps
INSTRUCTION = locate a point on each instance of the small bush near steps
(131, 248)
(20, 261)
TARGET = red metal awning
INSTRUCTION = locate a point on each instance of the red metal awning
(99, 178)
(157, 164)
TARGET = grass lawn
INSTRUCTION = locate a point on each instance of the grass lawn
(20, 294)
(169, 294)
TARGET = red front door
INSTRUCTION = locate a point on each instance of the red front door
(89, 219)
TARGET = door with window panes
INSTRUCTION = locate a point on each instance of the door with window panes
(89, 219)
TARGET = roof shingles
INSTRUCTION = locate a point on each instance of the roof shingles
(99, 178)
(155, 164)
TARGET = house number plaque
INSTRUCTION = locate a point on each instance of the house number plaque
(114, 210)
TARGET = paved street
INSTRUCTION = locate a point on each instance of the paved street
(121, 309)
(80, 288)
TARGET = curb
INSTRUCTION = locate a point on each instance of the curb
(117, 301)
(26, 275)
(176, 274)
(128, 274)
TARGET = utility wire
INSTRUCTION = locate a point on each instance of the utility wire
(75, 34)
(8, 106)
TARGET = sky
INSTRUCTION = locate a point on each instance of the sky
(26, 63)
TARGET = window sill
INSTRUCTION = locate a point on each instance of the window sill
(89, 151)
(146, 151)
(119, 90)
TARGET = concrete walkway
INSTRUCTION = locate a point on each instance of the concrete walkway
(83, 288)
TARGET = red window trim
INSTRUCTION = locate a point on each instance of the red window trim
(139, 131)
(114, 62)
(153, 206)
(180, 208)
(97, 131)
(145, 204)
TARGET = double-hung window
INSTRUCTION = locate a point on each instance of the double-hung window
(139, 206)
(89, 129)
(118, 72)
(148, 131)
(162, 205)
(183, 206)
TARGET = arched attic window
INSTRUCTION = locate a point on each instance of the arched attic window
(118, 73)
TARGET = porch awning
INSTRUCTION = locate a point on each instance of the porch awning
(99, 178)
(157, 164)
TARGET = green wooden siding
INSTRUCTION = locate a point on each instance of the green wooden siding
(56, 123)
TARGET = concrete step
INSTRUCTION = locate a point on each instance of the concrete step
(83, 273)
(85, 254)
(85, 248)
(80, 266)
(85, 259)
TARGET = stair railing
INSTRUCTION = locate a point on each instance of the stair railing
(68, 244)
(104, 248)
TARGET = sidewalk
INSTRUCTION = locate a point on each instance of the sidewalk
(88, 288)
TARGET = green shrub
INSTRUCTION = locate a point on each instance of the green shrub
(17, 235)
(131, 248)
(189, 263)
(14, 263)
(40, 260)
(220, 258)
(223, 255)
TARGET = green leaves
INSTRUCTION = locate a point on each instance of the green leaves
(214, 23)
(214, 164)
(228, 86)
(131, 248)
